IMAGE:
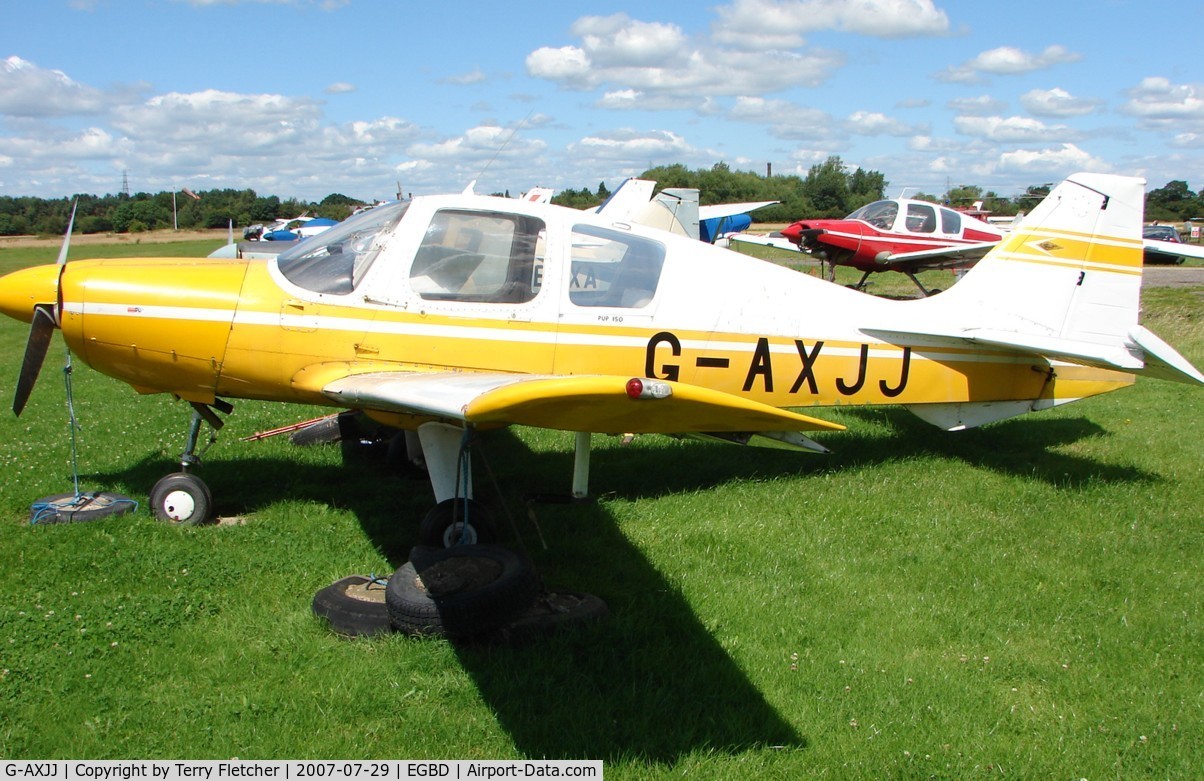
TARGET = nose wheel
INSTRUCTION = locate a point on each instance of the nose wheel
(181, 499)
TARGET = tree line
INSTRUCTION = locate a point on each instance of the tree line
(830, 189)
(145, 211)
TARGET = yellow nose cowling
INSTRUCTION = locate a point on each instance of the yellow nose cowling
(21, 290)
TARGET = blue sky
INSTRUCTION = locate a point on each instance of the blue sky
(302, 98)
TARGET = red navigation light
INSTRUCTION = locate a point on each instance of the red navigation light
(644, 388)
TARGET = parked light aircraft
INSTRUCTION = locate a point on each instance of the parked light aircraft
(446, 315)
(898, 234)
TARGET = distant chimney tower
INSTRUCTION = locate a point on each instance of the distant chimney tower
(769, 170)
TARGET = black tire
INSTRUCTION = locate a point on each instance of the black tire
(553, 612)
(181, 499)
(457, 522)
(460, 592)
(354, 607)
(400, 461)
(73, 508)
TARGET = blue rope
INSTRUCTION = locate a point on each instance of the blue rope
(43, 512)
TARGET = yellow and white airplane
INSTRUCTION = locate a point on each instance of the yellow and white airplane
(448, 314)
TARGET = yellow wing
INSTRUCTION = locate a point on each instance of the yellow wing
(592, 403)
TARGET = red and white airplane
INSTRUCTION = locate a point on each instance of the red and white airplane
(891, 235)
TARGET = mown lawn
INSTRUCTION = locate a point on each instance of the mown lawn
(1017, 601)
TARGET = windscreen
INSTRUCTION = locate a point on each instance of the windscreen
(335, 260)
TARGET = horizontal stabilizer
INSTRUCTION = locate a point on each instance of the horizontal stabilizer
(1146, 354)
(1162, 360)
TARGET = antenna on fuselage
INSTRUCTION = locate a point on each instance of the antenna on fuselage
(505, 144)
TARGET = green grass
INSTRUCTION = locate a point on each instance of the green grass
(12, 258)
(1020, 601)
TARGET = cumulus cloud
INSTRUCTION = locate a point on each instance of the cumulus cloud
(1061, 160)
(1011, 129)
(1006, 61)
(29, 91)
(480, 143)
(872, 123)
(784, 24)
(1057, 102)
(1157, 98)
(236, 124)
(656, 65)
(786, 120)
(628, 146)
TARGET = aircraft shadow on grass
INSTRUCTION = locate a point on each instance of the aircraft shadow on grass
(604, 689)
(601, 692)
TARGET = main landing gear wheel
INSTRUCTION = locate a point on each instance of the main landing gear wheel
(181, 499)
(457, 522)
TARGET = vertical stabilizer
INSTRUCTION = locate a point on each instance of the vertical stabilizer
(1071, 271)
(1066, 285)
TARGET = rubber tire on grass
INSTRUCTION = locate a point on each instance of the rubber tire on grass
(64, 508)
(353, 608)
(460, 592)
(441, 527)
(181, 487)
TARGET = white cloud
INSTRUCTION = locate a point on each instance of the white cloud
(627, 146)
(786, 120)
(1011, 129)
(29, 91)
(1157, 98)
(339, 88)
(654, 65)
(872, 123)
(1006, 61)
(1062, 160)
(783, 24)
(230, 123)
(1057, 102)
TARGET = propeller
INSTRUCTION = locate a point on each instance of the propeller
(43, 325)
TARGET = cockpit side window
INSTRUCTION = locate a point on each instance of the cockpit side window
(921, 218)
(335, 260)
(477, 256)
(951, 221)
(611, 268)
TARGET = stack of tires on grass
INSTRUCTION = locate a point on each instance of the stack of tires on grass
(467, 592)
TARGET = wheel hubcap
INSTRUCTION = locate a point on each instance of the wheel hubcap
(457, 533)
(179, 505)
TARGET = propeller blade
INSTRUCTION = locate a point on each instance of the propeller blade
(67, 237)
(35, 355)
(41, 329)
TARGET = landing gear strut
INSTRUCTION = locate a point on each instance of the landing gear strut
(181, 498)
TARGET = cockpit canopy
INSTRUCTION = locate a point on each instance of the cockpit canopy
(336, 260)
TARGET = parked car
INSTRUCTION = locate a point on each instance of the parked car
(1161, 233)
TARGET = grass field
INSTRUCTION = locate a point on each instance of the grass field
(1020, 601)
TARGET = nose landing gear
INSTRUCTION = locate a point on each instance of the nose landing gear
(181, 498)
